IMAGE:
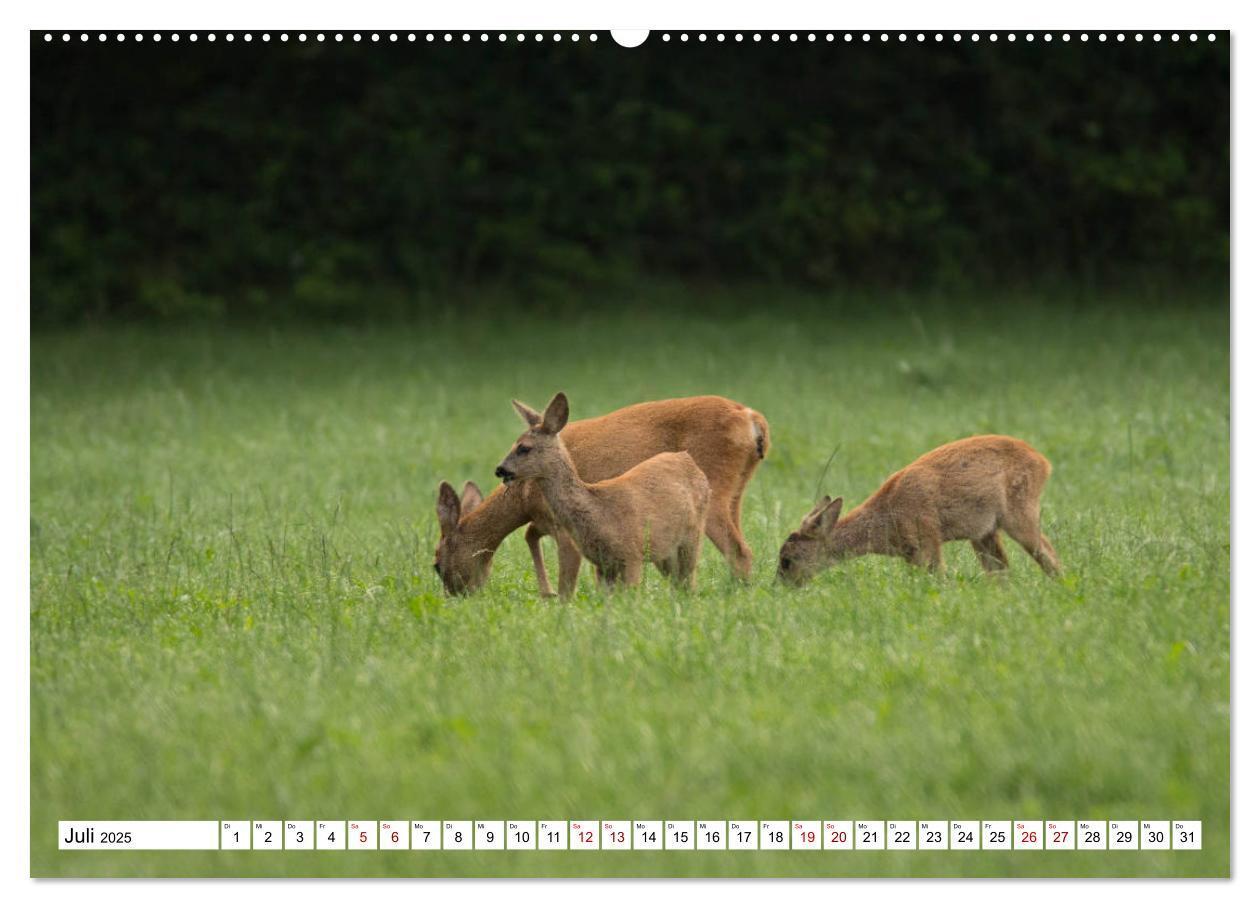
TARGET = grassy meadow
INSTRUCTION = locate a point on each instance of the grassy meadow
(234, 613)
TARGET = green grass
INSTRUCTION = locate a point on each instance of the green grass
(234, 613)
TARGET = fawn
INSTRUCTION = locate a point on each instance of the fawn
(726, 439)
(656, 510)
(967, 489)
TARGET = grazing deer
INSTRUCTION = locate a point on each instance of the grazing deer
(967, 489)
(656, 510)
(726, 440)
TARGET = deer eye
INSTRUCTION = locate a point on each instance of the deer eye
(521, 449)
(437, 569)
(785, 563)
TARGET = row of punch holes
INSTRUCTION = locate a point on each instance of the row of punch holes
(521, 37)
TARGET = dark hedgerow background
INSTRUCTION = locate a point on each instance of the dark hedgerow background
(338, 179)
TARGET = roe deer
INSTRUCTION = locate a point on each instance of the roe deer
(656, 510)
(966, 489)
(726, 439)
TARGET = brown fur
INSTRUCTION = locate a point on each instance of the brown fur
(654, 511)
(726, 440)
(967, 489)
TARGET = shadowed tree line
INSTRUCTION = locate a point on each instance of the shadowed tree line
(332, 180)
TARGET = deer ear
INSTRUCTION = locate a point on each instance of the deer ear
(830, 516)
(447, 508)
(531, 416)
(471, 497)
(557, 414)
(813, 520)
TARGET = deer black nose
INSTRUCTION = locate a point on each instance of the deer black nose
(502, 472)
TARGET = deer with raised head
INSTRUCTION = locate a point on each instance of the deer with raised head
(655, 511)
(726, 439)
(968, 489)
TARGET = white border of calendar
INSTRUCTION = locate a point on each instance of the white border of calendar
(657, 14)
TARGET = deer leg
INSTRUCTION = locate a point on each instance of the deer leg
(926, 551)
(1027, 532)
(632, 572)
(533, 539)
(990, 552)
(687, 560)
(724, 531)
(570, 563)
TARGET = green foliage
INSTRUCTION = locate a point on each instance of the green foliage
(234, 613)
(216, 179)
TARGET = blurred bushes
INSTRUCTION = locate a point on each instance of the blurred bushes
(332, 180)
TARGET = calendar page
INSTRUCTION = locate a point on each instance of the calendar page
(638, 453)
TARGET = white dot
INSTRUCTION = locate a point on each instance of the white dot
(774, 37)
(1010, 37)
(358, 37)
(174, 37)
(901, 37)
(538, 36)
(555, 37)
(575, 37)
(1212, 37)
(100, 37)
(1067, 37)
(1103, 37)
(721, 37)
(1120, 37)
(1084, 36)
(1194, 37)
(957, 37)
(210, 37)
(664, 37)
(467, 37)
(1048, 37)
(192, 37)
(65, 37)
(231, 37)
(792, 37)
(884, 36)
(337, 37)
(1176, 37)
(1137, 37)
(595, 37)
(83, 37)
(47, 37)
(757, 37)
(375, 36)
(975, 37)
(446, 37)
(992, 36)
(157, 37)
(919, 36)
(1158, 38)
(812, 37)
(684, 38)
(1028, 37)
(739, 36)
